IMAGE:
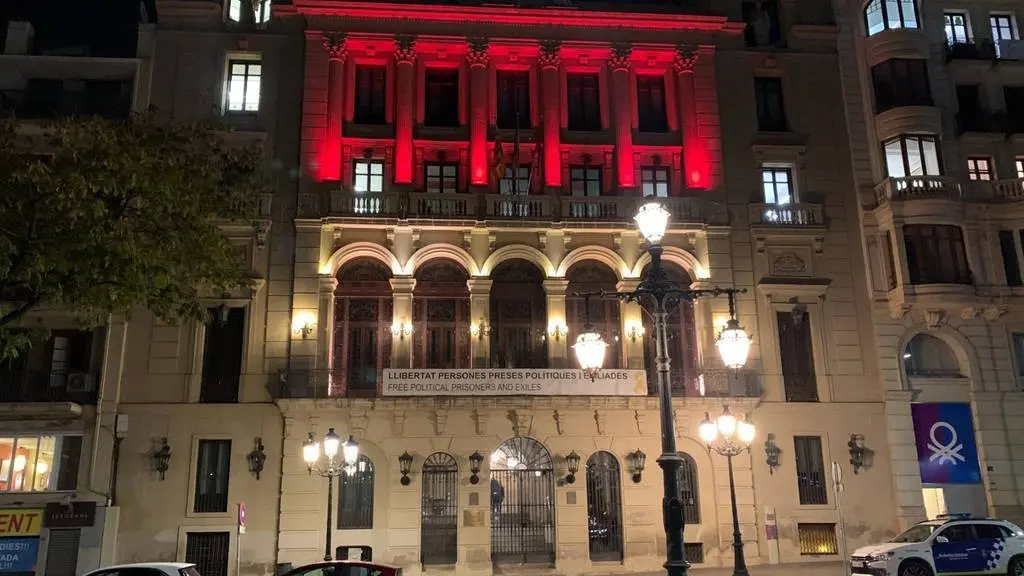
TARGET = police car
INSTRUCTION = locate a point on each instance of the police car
(951, 544)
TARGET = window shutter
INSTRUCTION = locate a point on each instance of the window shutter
(62, 552)
(1010, 263)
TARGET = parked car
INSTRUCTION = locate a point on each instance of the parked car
(147, 569)
(345, 568)
(951, 544)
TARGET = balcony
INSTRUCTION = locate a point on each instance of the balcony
(579, 209)
(971, 50)
(787, 215)
(1008, 190)
(918, 187)
(107, 99)
(21, 386)
(982, 122)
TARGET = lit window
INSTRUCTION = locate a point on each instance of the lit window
(912, 156)
(1020, 167)
(46, 463)
(442, 178)
(654, 181)
(1002, 30)
(881, 15)
(585, 181)
(777, 182)
(261, 11)
(512, 185)
(244, 86)
(368, 176)
(956, 27)
(979, 168)
(817, 539)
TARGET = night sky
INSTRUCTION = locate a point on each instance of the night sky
(107, 27)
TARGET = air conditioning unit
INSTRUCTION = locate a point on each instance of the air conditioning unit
(81, 382)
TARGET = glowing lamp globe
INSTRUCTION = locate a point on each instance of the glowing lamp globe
(733, 345)
(590, 349)
(727, 424)
(708, 431)
(652, 220)
(331, 443)
(745, 430)
(310, 450)
(351, 451)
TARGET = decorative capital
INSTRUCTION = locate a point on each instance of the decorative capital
(478, 54)
(405, 49)
(335, 45)
(686, 58)
(550, 54)
(619, 59)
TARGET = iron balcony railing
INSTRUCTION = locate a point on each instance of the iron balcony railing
(801, 214)
(44, 386)
(531, 207)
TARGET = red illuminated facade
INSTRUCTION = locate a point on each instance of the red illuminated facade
(597, 114)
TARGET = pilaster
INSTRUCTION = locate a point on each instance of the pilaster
(480, 319)
(401, 323)
(556, 329)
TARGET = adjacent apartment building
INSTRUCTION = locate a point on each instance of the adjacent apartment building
(448, 177)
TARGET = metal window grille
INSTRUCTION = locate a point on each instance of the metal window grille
(440, 510)
(522, 503)
(687, 478)
(62, 552)
(355, 496)
(694, 552)
(213, 469)
(817, 539)
(810, 470)
(208, 551)
(604, 507)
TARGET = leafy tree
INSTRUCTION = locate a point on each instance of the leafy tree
(100, 216)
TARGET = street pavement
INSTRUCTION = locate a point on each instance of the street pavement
(804, 569)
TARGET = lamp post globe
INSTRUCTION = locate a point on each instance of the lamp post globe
(331, 443)
(310, 451)
(733, 345)
(351, 451)
(590, 350)
(730, 437)
(652, 220)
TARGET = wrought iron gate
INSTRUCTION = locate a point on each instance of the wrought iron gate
(439, 506)
(604, 507)
(522, 503)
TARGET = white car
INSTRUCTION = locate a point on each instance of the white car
(952, 544)
(147, 569)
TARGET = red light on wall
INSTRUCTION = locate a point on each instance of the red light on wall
(695, 178)
(330, 161)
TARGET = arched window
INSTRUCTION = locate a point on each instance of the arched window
(687, 477)
(519, 316)
(881, 15)
(439, 507)
(355, 496)
(362, 327)
(604, 507)
(604, 312)
(441, 316)
(682, 343)
(929, 357)
(522, 503)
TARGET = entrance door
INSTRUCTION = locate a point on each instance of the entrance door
(522, 503)
(604, 507)
(440, 510)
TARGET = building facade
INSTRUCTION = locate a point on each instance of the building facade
(934, 110)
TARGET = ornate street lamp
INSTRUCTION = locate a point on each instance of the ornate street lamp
(330, 468)
(475, 460)
(659, 294)
(730, 437)
(404, 467)
(572, 462)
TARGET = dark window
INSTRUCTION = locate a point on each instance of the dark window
(585, 180)
(970, 116)
(208, 551)
(1018, 352)
(513, 99)
(440, 334)
(355, 496)
(222, 355)
(368, 175)
(901, 82)
(771, 112)
(693, 552)
(817, 539)
(810, 470)
(442, 98)
(584, 100)
(518, 316)
(956, 27)
(213, 468)
(70, 459)
(441, 178)
(439, 510)
(1011, 264)
(362, 313)
(916, 155)
(797, 356)
(991, 532)
(936, 254)
(601, 313)
(958, 533)
(654, 181)
(1014, 97)
(512, 185)
(650, 101)
(880, 15)
(370, 94)
(686, 475)
(604, 507)
(890, 260)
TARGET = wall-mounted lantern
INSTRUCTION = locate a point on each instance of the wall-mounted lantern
(857, 452)
(401, 329)
(572, 461)
(257, 458)
(475, 460)
(637, 460)
(771, 453)
(404, 466)
(162, 458)
(480, 329)
(558, 330)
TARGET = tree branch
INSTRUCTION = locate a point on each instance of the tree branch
(17, 313)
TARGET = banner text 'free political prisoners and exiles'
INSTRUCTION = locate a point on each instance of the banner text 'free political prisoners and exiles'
(512, 382)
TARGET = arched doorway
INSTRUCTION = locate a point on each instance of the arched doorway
(362, 327)
(519, 316)
(441, 316)
(588, 277)
(522, 503)
(604, 507)
(439, 509)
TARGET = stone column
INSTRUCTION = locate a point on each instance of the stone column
(480, 320)
(622, 101)
(401, 308)
(903, 452)
(405, 98)
(549, 61)
(899, 253)
(336, 53)
(696, 167)
(632, 316)
(557, 345)
(477, 59)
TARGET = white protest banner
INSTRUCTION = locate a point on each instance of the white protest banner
(512, 382)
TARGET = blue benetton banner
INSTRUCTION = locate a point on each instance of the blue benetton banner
(946, 452)
(18, 554)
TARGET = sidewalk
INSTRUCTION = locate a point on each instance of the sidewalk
(805, 569)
